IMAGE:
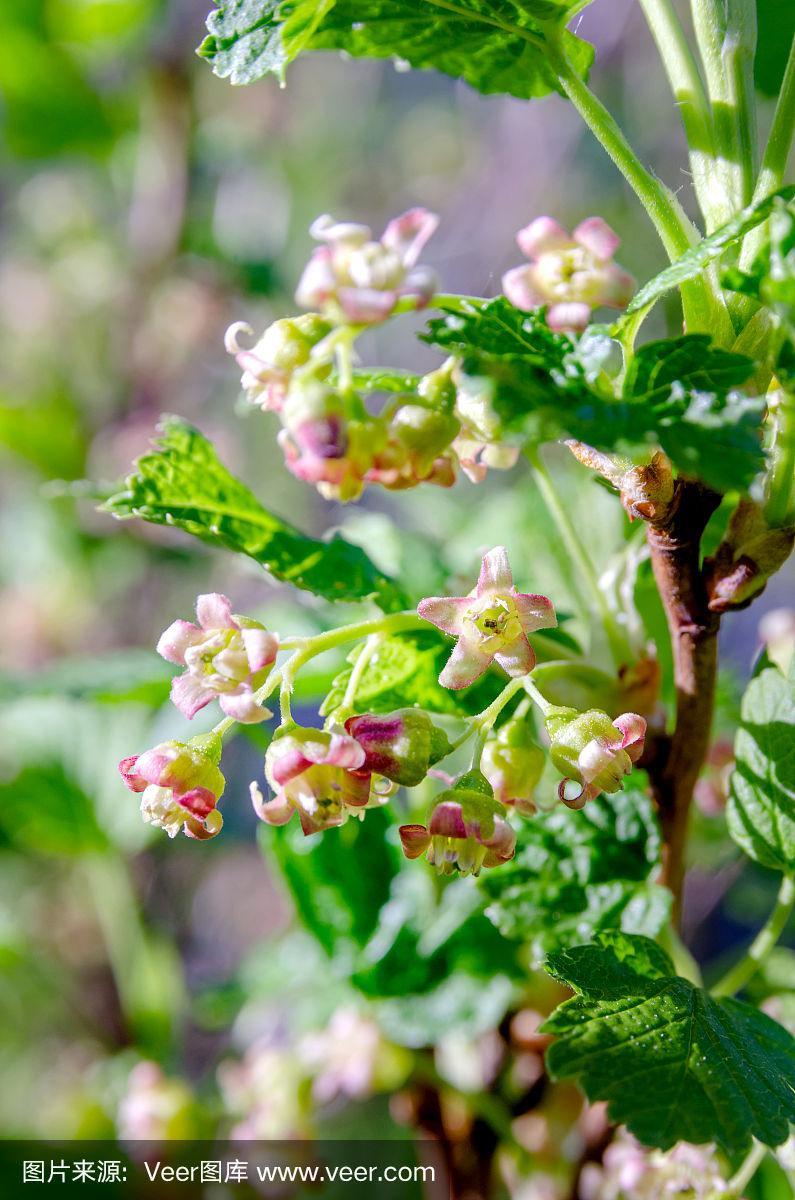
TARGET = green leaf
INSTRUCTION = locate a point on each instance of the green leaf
(694, 260)
(459, 1004)
(761, 810)
(672, 1063)
(44, 811)
(502, 46)
(184, 484)
(775, 33)
(678, 394)
(405, 672)
(126, 676)
(578, 873)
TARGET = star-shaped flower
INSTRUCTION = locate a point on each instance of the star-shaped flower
(492, 622)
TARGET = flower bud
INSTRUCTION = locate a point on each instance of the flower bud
(401, 745)
(594, 751)
(513, 765)
(466, 830)
(180, 785)
(321, 446)
(750, 553)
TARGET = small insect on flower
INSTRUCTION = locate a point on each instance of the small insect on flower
(572, 273)
(180, 785)
(466, 832)
(492, 622)
(318, 773)
(355, 280)
(593, 752)
(226, 656)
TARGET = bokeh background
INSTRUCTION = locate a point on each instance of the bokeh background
(154, 988)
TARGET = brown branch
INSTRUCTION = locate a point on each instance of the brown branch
(674, 540)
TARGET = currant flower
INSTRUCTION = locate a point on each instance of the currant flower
(225, 656)
(513, 765)
(358, 281)
(401, 746)
(180, 786)
(322, 447)
(492, 622)
(318, 773)
(573, 274)
(466, 832)
(268, 366)
(416, 450)
(593, 752)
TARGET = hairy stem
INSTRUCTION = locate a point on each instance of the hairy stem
(763, 943)
(691, 98)
(674, 543)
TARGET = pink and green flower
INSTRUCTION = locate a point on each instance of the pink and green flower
(466, 831)
(491, 623)
(593, 752)
(180, 786)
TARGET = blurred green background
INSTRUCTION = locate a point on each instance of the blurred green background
(145, 206)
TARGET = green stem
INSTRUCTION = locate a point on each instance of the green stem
(763, 943)
(780, 504)
(592, 596)
(748, 1168)
(539, 700)
(359, 667)
(702, 302)
(489, 715)
(691, 98)
(726, 36)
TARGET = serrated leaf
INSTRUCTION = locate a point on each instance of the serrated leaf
(503, 47)
(578, 873)
(679, 394)
(761, 810)
(694, 260)
(672, 1063)
(184, 484)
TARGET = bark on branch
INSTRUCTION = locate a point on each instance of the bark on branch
(674, 541)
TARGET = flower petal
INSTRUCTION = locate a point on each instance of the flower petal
(242, 707)
(188, 695)
(596, 236)
(495, 572)
(421, 282)
(130, 776)
(618, 287)
(317, 282)
(564, 318)
(518, 284)
(174, 641)
(447, 820)
(445, 612)
(542, 236)
(261, 648)
(344, 751)
(408, 233)
(276, 811)
(517, 658)
(466, 664)
(365, 306)
(198, 801)
(535, 612)
(214, 611)
(633, 734)
(350, 233)
(415, 840)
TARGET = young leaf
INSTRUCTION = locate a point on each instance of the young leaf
(672, 1063)
(495, 47)
(678, 394)
(577, 873)
(761, 810)
(184, 484)
(694, 260)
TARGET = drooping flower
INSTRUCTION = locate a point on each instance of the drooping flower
(180, 785)
(573, 274)
(513, 764)
(492, 622)
(417, 449)
(400, 746)
(320, 774)
(226, 656)
(269, 364)
(359, 281)
(466, 832)
(351, 1057)
(593, 752)
(322, 446)
(480, 445)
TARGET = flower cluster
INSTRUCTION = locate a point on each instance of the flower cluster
(302, 367)
(631, 1172)
(359, 759)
